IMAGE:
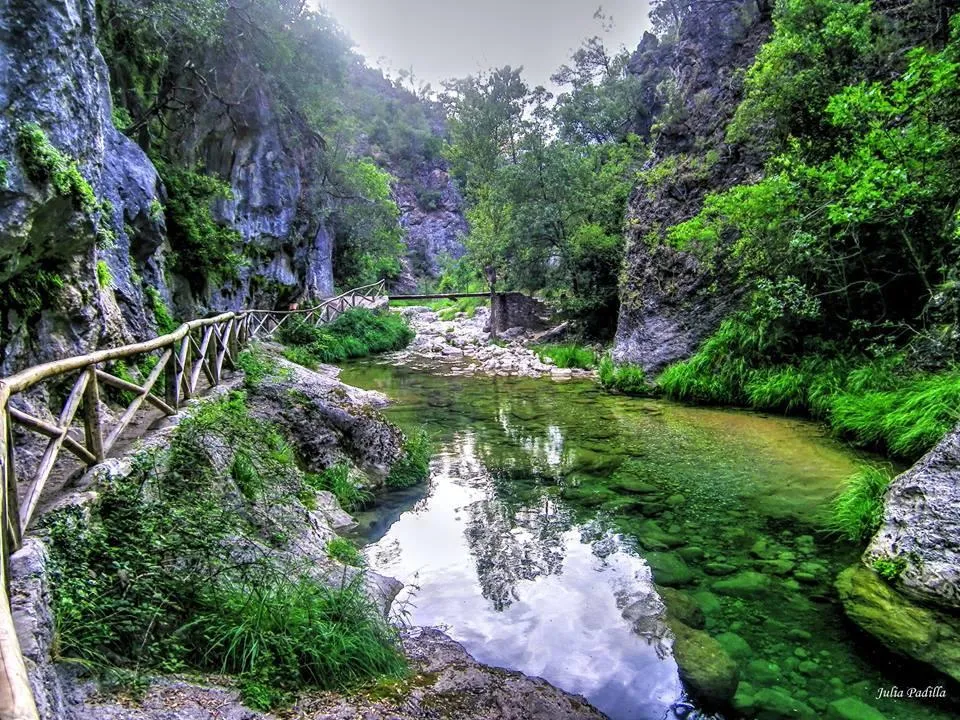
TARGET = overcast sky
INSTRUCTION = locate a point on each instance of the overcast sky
(453, 38)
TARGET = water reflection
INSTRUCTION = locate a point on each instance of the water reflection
(522, 585)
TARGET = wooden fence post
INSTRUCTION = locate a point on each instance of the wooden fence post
(187, 364)
(92, 422)
(171, 380)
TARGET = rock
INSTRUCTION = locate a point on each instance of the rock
(745, 584)
(326, 420)
(921, 526)
(736, 646)
(707, 601)
(923, 633)
(669, 569)
(682, 607)
(719, 568)
(763, 672)
(706, 669)
(691, 553)
(776, 704)
(849, 708)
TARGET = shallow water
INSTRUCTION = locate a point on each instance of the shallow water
(546, 502)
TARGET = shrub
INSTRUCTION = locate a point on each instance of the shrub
(336, 479)
(161, 314)
(45, 163)
(568, 356)
(354, 334)
(345, 551)
(413, 466)
(629, 379)
(858, 510)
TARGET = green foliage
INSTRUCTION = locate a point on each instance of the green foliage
(628, 379)
(858, 511)
(568, 356)
(449, 309)
(344, 551)
(30, 291)
(161, 314)
(104, 276)
(4, 166)
(336, 479)
(413, 465)
(150, 580)
(206, 251)
(889, 569)
(45, 163)
(257, 365)
(354, 334)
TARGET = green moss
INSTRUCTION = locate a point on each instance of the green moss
(44, 163)
(104, 276)
(889, 568)
(161, 313)
(4, 165)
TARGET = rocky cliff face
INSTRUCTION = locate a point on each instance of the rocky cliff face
(54, 76)
(669, 301)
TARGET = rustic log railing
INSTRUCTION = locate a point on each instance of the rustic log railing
(198, 348)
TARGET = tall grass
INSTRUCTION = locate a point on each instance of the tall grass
(568, 355)
(629, 379)
(356, 333)
(873, 403)
(858, 510)
(336, 479)
(282, 634)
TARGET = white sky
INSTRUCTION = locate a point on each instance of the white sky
(442, 40)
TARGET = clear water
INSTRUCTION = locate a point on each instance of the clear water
(546, 499)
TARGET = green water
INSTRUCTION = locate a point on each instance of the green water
(548, 500)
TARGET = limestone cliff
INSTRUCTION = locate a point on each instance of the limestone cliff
(669, 302)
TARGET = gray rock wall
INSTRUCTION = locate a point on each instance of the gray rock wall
(670, 302)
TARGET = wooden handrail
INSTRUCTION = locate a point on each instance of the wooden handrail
(180, 369)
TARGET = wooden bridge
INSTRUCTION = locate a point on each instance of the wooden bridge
(190, 360)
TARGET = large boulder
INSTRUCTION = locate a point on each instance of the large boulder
(921, 527)
(326, 420)
(707, 670)
(923, 633)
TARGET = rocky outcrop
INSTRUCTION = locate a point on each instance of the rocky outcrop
(431, 215)
(921, 527)
(325, 419)
(54, 76)
(917, 612)
(670, 300)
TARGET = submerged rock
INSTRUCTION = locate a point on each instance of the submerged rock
(705, 667)
(852, 709)
(922, 633)
(777, 704)
(669, 569)
(744, 585)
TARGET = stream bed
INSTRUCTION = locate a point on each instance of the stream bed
(552, 507)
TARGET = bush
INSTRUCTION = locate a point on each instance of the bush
(161, 314)
(858, 511)
(413, 466)
(629, 379)
(354, 334)
(568, 356)
(104, 276)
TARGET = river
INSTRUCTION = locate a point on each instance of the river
(548, 503)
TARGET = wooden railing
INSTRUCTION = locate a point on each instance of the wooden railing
(176, 362)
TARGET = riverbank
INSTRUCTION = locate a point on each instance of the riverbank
(157, 562)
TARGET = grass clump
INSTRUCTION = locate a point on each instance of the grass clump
(336, 479)
(628, 379)
(344, 551)
(356, 333)
(568, 356)
(858, 510)
(413, 466)
(257, 365)
(151, 580)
